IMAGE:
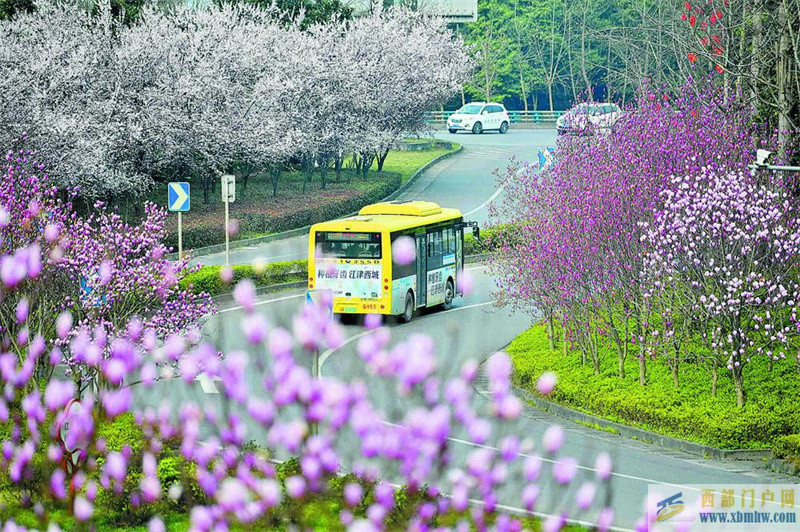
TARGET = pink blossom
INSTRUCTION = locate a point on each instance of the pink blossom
(546, 383)
(404, 250)
(553, 438)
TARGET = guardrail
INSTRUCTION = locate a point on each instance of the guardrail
(530, 117)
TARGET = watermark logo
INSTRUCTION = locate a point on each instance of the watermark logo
(669, 507)
(723, 507)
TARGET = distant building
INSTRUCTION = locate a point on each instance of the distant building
(451, 10)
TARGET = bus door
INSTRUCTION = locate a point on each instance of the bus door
(459, 255)
(422, 269)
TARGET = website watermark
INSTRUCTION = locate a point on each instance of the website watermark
(724, 507)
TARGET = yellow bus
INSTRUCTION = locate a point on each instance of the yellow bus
(352, 257)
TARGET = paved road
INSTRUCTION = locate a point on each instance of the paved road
(474, 329)
(464, 181)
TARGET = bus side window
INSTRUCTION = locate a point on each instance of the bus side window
(450, 240)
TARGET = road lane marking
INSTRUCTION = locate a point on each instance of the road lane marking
(266, 302)
(324, 356)
(496, 192)
(549, 460)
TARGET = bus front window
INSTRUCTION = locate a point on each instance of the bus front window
(349, 245)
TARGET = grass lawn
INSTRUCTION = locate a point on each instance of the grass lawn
(406, 163)
(771, 410)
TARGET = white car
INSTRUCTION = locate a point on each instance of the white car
(479, 117)
(587, 118)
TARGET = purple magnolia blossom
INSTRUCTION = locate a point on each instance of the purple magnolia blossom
(404, 250)
(553, 438)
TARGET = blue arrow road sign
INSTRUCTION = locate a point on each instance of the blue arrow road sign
(178, 200)
(546, 158)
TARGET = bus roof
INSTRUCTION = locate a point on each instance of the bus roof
(391, 216)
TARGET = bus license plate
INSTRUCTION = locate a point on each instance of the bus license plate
(350, 309)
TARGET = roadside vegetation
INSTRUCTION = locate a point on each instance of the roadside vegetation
(691, 412)
(260, 210)
(671, 281)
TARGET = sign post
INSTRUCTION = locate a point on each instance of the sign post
(320, 297)
(228, 193)
(179, 201)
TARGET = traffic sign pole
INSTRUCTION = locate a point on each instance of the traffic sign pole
(228, 193)
(180, 236)
(227, 237)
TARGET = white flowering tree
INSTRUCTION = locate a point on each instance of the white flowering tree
(58, 86)
(196, 92)
(732, 243)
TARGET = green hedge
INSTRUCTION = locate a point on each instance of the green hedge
(207, 279)
(691, 412)
(787, 446)
(490, 239)
(249, 223)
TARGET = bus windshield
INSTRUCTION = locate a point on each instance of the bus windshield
(349, 245)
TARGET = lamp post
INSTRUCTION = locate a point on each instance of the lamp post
(761, 164)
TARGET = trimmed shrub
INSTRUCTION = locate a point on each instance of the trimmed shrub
(690, 412)
(207, 278)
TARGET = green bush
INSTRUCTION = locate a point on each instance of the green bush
(121, 432)
(691, 412)
(207, 279)
(491, 238)
(787, 446)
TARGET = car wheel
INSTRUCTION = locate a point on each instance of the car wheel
(452, 131)
(408, 313)
(477, 129)
(448, 296)
(504, 127)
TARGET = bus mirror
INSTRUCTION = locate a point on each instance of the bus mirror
(476, 232)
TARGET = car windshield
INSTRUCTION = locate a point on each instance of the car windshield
(471, 109)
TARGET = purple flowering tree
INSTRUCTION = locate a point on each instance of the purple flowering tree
(580, 244)
(731, 243)
(98, 273)
(327, 427)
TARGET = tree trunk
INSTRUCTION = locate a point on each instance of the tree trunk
(308, 169)
(566, 348)
(274, 176)
(337, 165)
(738, 384)
(549, 324)
(675, 367)
(755, 65)
(323, 174)
(714, 375)
(523, 91)
(783, 78)
(550, 95)
(621, 365)
(381, 158)
(589, 91)
(642, 369)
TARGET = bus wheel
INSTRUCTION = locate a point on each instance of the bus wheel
(408, 313)
(448, 295)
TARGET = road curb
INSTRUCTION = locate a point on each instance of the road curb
(272, 288)
(216, 248)
(592, 421)
(227, 297)
(642, 435)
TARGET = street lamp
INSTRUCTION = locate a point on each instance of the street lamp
(761, 163)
